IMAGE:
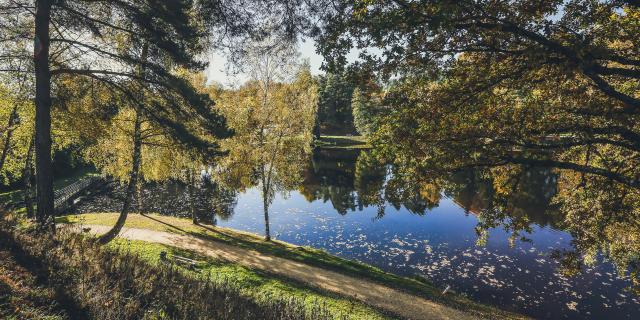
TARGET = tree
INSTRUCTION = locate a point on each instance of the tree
(272, 120)
(17, 115)
(366, 110)
(82, 39)
(79, 39)
(335, 91)
(503, 76)
(502, 87)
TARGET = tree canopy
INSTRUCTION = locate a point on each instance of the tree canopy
(504, 87)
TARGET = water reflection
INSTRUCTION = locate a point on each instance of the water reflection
(344, 179)
(522, 237)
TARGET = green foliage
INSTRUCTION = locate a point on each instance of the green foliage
(477, 90)
(366, 112)
(273, 131)
(521, 94)
(20, 130)
(102, 124)
(335, 92)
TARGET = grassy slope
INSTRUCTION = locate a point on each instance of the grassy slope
(22, 293)
(306, 255)
(258, 285)
(343, 142)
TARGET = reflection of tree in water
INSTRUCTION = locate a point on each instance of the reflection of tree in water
(513, 199)
(355, 179)
(370, 177)
(602, 215)
(413, 194)
(224, 201)
(330, 177)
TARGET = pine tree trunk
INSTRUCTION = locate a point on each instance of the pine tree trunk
(7, 140)
(27, 174)
(131, 186)
(44, 167)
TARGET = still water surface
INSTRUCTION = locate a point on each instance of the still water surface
(336, 209)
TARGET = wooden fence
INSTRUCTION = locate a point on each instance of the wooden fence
(63, 195)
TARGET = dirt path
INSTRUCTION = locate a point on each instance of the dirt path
(403, 304)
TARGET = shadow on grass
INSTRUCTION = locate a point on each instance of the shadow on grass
(40, 271)
(321, 259)
(327, 261)
(253, 279)
(164, 223)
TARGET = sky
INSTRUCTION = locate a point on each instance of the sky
(217, 73)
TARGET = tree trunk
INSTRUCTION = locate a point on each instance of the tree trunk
(316, 125)
(139, 199)
(27, 174)
(265, 207)
(131, 186)
(44, 167)
(7, 140)
(191, 187)
(136, 158)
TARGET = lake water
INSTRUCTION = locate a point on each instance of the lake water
(351, 210)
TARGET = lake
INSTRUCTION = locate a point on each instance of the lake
(453, 236)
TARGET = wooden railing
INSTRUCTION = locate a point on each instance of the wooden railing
(63, 195)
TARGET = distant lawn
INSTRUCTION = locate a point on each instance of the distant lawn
(13, 196)
(260, 286)
(305, 254)
(343, 142)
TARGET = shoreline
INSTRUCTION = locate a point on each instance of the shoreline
(307, 255)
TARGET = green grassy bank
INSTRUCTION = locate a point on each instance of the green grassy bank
(258, 285)
(306, 255)
(69, 276)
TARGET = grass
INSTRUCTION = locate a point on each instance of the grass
(76, 278)
(258, 285)
(21, 294)
(12, 196)
(306, 255)
(343, 142)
